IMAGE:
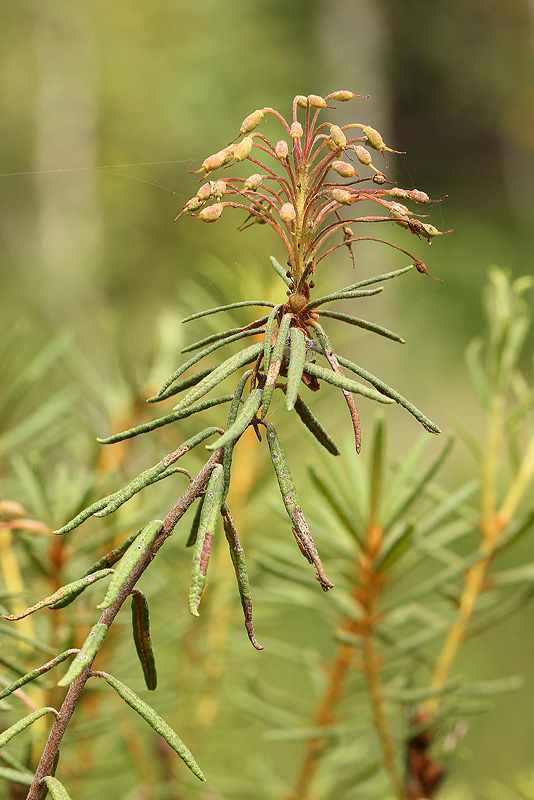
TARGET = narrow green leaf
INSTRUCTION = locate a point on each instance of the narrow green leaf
(243, 420)
(343, 294)
(362, 323)
(142, 638)
(203, 353)
(378, 278)
(146, 427)
(64, 595)
(238, 560)
(275, 362)
(232, 416)
(36, 673)
(389, 392)
(56, 789)
(216, 310)
(515, 534)
(343, 515)
(155, 721)
(14, 776)
(221, 372)
(393, 547)
(413, 696)
(211, 508)
(113, 556)
(293, 507)
(477, 372)
(297, 358)
(314, 426)
(135, 552)
(86, 654)
(342, 382)
(268, 338)
(377, 457)
(22, 724)
(215, 337)
(278, 268)
(193, 533)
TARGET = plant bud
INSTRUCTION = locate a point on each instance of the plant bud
(218, 160)
(343, 169)
(316, 101)
(211, 213)
(219, 189)
(296, 131)
(343, 96)
(287, 213)
(302, 101)
(363, 155)
(242, 149)
(419, 197)
(431, 231)
(342, 196)
(337, 135)
(253, 183)
(204, 193)
(281, 150)
(192, 205)
(252, 121)
(396, 191)
(374, 139)
(398, 211)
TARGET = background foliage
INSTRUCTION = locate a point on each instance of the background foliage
(90, 253)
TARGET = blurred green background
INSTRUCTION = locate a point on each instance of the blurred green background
(106, 106)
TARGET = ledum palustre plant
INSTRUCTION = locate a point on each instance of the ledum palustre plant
(306, 187)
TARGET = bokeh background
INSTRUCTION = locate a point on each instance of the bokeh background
(105, 108)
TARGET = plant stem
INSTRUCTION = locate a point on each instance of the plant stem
(195, 488)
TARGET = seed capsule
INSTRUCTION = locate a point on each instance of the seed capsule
(342, 96)
(281, 150)
(252, 121)
(219, 189)
(243, 149)
(396, 191)
(302, 101)
(343, 169)
(193, 205)
(204, 193)
(287, 213)
(253, 183)
(218, 160)
(211, 213)
(296, 131)
(398, 211)
(342, 196)
(316, 101)
(363, 155)
(419, 197)
(431, 231)
(337, 135)
(374, 139)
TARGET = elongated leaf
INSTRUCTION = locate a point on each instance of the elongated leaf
(293, 507)
(275, 362)
(278, 268)
(267, 339)
(393, 547)
(86, 654)
(378, 278)
(336, 504)
(66, 593)
(203, 353)
(243, 420)
(14, 776)
(216, 310)
(238, 560)
(142, 638)
(135, 552)
(219, 374)
(112, 557)
(146, 427)
(56, 789)
(185, 383)
(343, 294)
(389, 392)
(296, 366)
(22, 724)
(232, 416)
(193, 533)
(362, 323)
(314, 426)
(36, 673)
(211, 508)
(477, 372)
(342, 382)
(215, 337)
(155, 722)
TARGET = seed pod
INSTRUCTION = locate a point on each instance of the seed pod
(204, 193)
(302, 101)
(343, 169)
(419, 197)
(431, 231)
(218, 160)
(342, 96)
(253, 183)
(252, 121)
(342, 196)
(243, 149)
(379, 178)
(211, 213)
(374, 139)
(281, 150)
(287, 213)
(337, 135)
(363, 155)
(192, 205)
(316, 101)
(296, 131)
(219, 189)
(398, 211)
(396, 191)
